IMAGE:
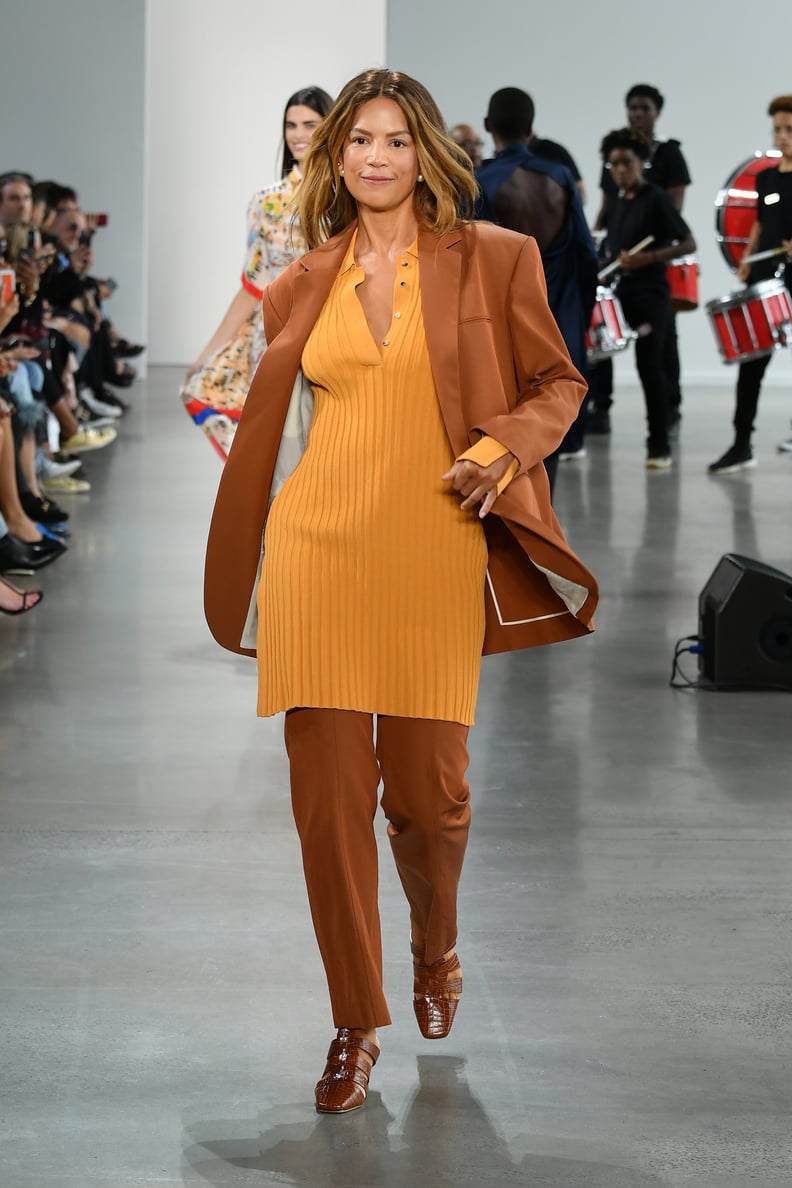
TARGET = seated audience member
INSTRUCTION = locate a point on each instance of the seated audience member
(32, 323)
(16, 198)
(67, 287)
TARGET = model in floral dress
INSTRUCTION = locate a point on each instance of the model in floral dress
(217, 382)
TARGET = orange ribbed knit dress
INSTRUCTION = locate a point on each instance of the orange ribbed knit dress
(372, 589)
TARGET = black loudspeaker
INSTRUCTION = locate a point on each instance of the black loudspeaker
(745, 626)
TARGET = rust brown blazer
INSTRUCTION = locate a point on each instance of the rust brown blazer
(500, 367)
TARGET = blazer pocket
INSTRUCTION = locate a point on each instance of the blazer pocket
(475, 318)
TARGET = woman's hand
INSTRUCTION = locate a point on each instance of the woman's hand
(23, 353)
(478, 484)
(27, 274)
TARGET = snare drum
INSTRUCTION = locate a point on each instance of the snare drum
(609, 332)
(752, 322)
(682, 276)
(735, 206)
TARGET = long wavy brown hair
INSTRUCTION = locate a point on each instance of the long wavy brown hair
(448, 189)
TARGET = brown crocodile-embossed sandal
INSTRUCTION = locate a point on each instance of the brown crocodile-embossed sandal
(344, 1082)
(436, 991)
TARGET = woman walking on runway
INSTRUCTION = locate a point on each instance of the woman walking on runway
(414, 533)
(216, 383)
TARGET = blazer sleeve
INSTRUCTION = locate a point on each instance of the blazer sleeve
(550, 389)
(276, 303)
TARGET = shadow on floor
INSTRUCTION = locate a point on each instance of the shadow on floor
(446, 1138)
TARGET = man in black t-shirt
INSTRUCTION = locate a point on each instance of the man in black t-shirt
(665, 167)
(772, 229)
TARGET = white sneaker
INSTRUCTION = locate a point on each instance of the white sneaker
(47, 469)
(97, 406)
(785, 447)
(572, 455)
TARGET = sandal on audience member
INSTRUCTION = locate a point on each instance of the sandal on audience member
(30, 598)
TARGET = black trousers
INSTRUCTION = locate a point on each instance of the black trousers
(641, 309)
(749, 382)
(671, 368)
(601, 376)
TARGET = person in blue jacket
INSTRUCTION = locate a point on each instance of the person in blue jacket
(538, 196)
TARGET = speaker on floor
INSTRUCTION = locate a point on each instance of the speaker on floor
(745, 626)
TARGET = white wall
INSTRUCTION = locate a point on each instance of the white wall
(219, 75)
(72, 94)
(716, 65)
(214, 78)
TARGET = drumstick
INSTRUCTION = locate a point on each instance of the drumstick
(768, 255)
(609, 268)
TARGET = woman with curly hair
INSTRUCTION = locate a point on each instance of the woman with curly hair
(414, 532)
(637, 211)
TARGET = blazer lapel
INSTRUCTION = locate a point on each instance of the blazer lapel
(441, 273)
(313, 283)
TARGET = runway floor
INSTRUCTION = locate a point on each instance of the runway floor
(626, 924)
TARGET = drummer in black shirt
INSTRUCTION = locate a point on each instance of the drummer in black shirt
(772, 229)
(665, 167)
(636, 210)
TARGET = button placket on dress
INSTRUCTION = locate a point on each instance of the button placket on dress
(397, 313)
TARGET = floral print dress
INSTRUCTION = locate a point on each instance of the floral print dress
(214, 396)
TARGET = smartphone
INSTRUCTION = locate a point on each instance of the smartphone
(7, 284)
(27, 252)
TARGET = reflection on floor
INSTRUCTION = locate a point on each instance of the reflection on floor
(626, 922)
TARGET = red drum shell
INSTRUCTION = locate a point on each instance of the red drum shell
(609, 331)
(682, 276)
(735, 206)
(752, 322)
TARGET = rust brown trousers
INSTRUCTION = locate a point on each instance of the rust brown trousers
(335, 772)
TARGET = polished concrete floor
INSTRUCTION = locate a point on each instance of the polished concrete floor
(626, 914)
